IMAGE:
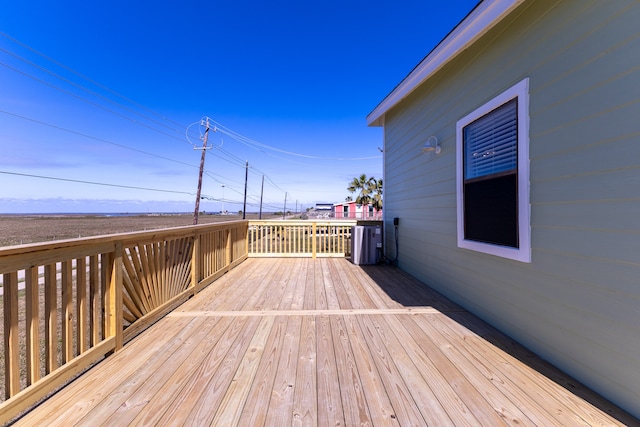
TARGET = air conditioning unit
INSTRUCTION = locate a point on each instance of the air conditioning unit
(366, 244)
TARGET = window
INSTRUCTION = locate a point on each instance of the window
(493, 176)
(345, 211)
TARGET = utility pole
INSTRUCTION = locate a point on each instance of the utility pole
(222, 211)
(261, 194)
(204, 151)
(285, 206)
(246, 178)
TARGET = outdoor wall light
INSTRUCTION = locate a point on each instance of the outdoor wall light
(431, 145)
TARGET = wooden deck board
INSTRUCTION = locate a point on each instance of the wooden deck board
(191, 375)
(354, 403)
(305, 407)
(164, 382)
(405, 409)
(331, 413)
(322, 342)
(468, 372)
(236, 394)
(279, 411)
(253, 413)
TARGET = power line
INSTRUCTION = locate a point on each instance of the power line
(235, 135)
(230, 157)
(93, 82)
(226, 180)
(257, 145)
(87, 101)
(84, 135)
(125, 147)
(210, 174)
(51, 73)
(95, 183)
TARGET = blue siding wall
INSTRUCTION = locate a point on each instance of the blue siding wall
(577, 303)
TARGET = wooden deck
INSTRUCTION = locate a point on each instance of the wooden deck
(282, 342)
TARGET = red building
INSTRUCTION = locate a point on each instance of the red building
(352, 210)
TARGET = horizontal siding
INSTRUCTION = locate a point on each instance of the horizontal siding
(578, 302)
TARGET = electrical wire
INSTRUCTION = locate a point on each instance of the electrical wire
(230, 157)
(235, 135)
(95, 183)
(257, 145)
(93, 82)
(87, 101)
(210, 174)
(84, 135)
(51, 73)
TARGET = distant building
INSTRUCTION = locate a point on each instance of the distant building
(353, 210)
(323, 207)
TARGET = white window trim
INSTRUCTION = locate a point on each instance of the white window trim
(523, 253)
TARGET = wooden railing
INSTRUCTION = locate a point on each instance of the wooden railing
(300, 238)
(68, 304)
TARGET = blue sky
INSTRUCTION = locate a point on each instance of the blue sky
(113, 93)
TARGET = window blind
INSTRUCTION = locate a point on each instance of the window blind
(490, 142)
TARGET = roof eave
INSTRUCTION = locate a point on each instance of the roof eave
(484, 17)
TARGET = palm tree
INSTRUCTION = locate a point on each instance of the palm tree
(375, 186)
(369, 190)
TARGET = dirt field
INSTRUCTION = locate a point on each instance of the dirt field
(23, 229)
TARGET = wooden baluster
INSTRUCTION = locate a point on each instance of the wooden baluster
(216, 243)
(67, 311)
(94, 300)
(81, 304)
(51, 318)
(32, 322)
(161, 266)
(116, 304)
(228, 254)
(195, 262)
(152, 253)
(105, 280)
(12, 356)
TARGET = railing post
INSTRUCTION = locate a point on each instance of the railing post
(313, 239)
(249, 233)
(113, 303)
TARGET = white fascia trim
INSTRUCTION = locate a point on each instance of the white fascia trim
(481, 20)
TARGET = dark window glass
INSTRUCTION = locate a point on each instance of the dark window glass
(491, 178)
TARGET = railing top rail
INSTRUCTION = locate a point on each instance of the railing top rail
(157, 234)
